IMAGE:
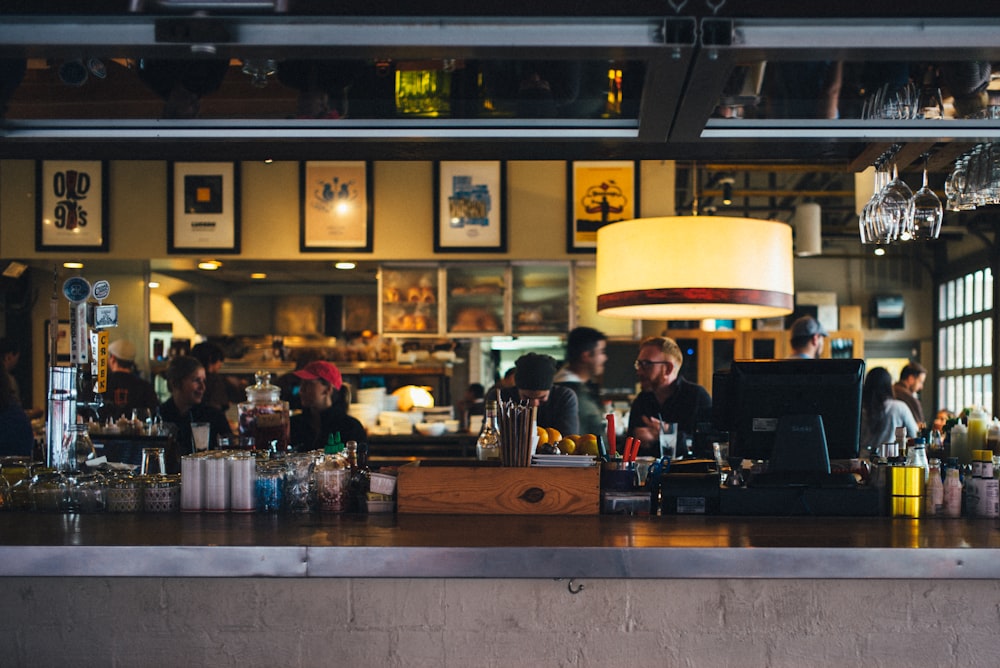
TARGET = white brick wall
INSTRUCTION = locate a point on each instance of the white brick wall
(521, 623)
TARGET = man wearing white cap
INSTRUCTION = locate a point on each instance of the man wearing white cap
(126, 390)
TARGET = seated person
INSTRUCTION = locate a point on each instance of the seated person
(16, 435)
(218, 393)
(557, 405)
(126, 390)
(324, 409)
(186, 382)
(666, 396)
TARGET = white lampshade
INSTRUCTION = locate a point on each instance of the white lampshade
(808, 224)
(695, 268)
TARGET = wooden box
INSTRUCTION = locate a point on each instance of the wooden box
(493, 490)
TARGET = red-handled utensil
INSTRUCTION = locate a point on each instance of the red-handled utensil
(612, 443)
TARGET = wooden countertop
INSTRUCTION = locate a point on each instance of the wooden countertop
(459, 546)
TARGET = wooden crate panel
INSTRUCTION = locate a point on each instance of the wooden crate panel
(484, 490)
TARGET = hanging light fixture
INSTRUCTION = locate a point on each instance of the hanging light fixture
(695, 267)
(808, 223)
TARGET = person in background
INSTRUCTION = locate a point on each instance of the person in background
(16, 435)
(911, 381)
(666, 396)
(941, 419)
(508, 378)
(586, 355)
(186, 381)
(216, 389)
(880, 413)
(290, 383)
(10, 354)
(557, 405)
(126, 390)
(473, 404)
(807, 338)
(324, 409)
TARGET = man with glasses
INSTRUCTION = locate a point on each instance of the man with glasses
(666, 397)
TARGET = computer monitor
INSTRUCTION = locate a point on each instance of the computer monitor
(770, 409)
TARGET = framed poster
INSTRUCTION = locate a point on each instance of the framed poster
(469, 207)
(72, 205)
(600, 193)
(203, 207)
(336, 212)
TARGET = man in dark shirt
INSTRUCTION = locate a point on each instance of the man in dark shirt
(557, 405)
(126, 391)
(911, 381)
(586, 354)
(666, 397)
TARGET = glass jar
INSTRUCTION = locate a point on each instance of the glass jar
(87, 493)
(269, 486)
(78, 446)
(161, 493)
(264, 417)
(330, 479)
(298, 469)
(49, 491)
(124, 493)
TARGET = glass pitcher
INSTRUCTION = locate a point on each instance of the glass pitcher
(264, 417)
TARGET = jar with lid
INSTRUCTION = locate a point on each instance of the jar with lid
(330, 479)
(161, 493)
(916, 455)
(269, 486)
(124, 493)
(264, 417)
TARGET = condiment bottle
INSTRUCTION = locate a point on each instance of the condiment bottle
(960, 444)
(978, 424)
(488, 443)
(917, 456)
(359, 481)
(264, 416)
(993, 440)
(989, 488)
(935, 490)
(952, 493)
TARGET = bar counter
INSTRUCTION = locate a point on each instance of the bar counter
(460, 546)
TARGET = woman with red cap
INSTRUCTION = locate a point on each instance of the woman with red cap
(324, 410)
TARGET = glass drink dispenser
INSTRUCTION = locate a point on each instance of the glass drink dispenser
(264, 417)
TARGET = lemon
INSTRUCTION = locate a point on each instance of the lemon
(587, 445)
(543, 436)
(567, 446)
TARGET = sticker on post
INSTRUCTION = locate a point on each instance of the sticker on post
(76, 289)
(105, 315)
(101, 290)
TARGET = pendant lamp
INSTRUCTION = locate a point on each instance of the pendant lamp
(695, 268)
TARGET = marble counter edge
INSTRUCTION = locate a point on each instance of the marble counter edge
(498, 562)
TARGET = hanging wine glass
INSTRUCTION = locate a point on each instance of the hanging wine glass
(896, 209)
(927, 211)
(871, 220)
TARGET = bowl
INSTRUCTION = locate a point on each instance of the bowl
(429, 428)
(451, 426)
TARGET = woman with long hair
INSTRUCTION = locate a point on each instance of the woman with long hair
(880, 413)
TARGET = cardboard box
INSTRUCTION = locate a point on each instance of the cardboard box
(423, 487)
(850, 317)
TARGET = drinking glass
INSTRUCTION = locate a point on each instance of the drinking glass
(896, 208)
(927, 212)
(200, 433)
(153, 462)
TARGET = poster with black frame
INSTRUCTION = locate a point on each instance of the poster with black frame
(72, 205)
(336, 200)
(470, 212)
(203, 207)
(599, 193)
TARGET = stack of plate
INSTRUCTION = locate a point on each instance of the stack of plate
(574, 461)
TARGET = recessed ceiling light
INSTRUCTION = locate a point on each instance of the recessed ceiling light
(879, 251)
(268, 161)
(344, 265)
(73, 265)
(209, 265)
(153, 285)
(258, 275)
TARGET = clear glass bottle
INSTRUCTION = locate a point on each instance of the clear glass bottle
(935, 490)
(488, 443)
(917, 456)
(264, 417)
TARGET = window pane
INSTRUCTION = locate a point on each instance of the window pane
(977, 301)
(949, 335)
(977, 343)
(950, 301)
(988, 392)
(967, 396)
(942, 301)
(988, 342)
(949, 393)
(988, 290)
(959, 298)
(967, 345)
(968, 295)
(977, 390)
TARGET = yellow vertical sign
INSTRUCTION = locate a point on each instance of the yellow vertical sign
(101, 358)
